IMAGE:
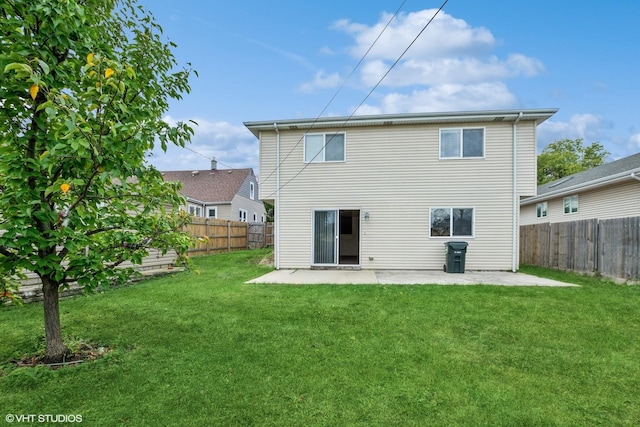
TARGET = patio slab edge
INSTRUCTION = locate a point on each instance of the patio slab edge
(404, 277)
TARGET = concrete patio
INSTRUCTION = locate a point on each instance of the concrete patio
(404, 277)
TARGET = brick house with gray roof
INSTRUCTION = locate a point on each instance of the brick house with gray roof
(229, 194)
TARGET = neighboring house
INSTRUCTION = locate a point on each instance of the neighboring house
(611, 190)
(230, 194)
(388, 191)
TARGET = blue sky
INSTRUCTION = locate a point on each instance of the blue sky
(286, 59)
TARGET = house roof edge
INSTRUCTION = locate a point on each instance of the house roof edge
(539, 115)
(596, 183)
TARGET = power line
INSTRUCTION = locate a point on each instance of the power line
(208, 158)
(362, 102)
(339, 89)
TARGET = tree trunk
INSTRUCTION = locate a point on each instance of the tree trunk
(56, 350)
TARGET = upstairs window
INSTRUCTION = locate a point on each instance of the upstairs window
(252, 191)
(570, 204)
(324, 147)
(461, 143)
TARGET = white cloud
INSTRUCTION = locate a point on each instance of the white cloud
(326, 50)
(589, 127)
(635, 141)
(322, 80)
(451, 66)
(445, 36)
(446, 97)
(232, 146)
(457, 70)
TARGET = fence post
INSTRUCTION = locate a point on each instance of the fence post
(228, 236)
(264, 235)
(206, 233)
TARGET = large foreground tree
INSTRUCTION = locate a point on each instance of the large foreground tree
(83, 88)
(565, 157)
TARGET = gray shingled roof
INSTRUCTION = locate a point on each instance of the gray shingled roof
(217, 185)
(608, 169)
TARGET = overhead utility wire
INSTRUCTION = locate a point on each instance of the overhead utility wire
(365, 98)
(207, 157)
(338, 91)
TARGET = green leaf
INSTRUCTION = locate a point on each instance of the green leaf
(43, 65)
(19, 67)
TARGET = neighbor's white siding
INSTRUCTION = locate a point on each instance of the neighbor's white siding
(614, 201)
(395, 174)
(251, 206)
(226, 212)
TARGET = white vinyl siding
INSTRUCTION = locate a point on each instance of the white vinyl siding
(388, 168)
(612, 201)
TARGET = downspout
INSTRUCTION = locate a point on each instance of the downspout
(516, 202)
(276, 242)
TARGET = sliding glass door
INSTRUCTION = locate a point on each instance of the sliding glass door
(325, 237)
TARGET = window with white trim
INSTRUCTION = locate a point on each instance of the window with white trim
(451, 222)
(461, 143)
(242, 214)
(195, 210)
(541, 210)
(324, 147)
(252, 191)
(255, 217)
(570, 204)
(212, 212)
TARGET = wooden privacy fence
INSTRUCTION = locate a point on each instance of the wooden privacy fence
(219, 235)
(610, 247)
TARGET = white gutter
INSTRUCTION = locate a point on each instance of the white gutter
(516, 201)
(403, 119)
(635, 176)
(276, 242)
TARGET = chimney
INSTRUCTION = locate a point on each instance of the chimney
(214, 164)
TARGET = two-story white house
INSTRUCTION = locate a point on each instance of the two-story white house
(388, 191)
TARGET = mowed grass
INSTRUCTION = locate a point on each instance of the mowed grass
(208, 350)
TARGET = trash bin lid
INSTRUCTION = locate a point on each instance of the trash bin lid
(457, 245)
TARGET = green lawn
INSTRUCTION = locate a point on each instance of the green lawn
(207, 350)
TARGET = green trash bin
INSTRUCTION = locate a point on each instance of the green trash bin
(456, 256)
